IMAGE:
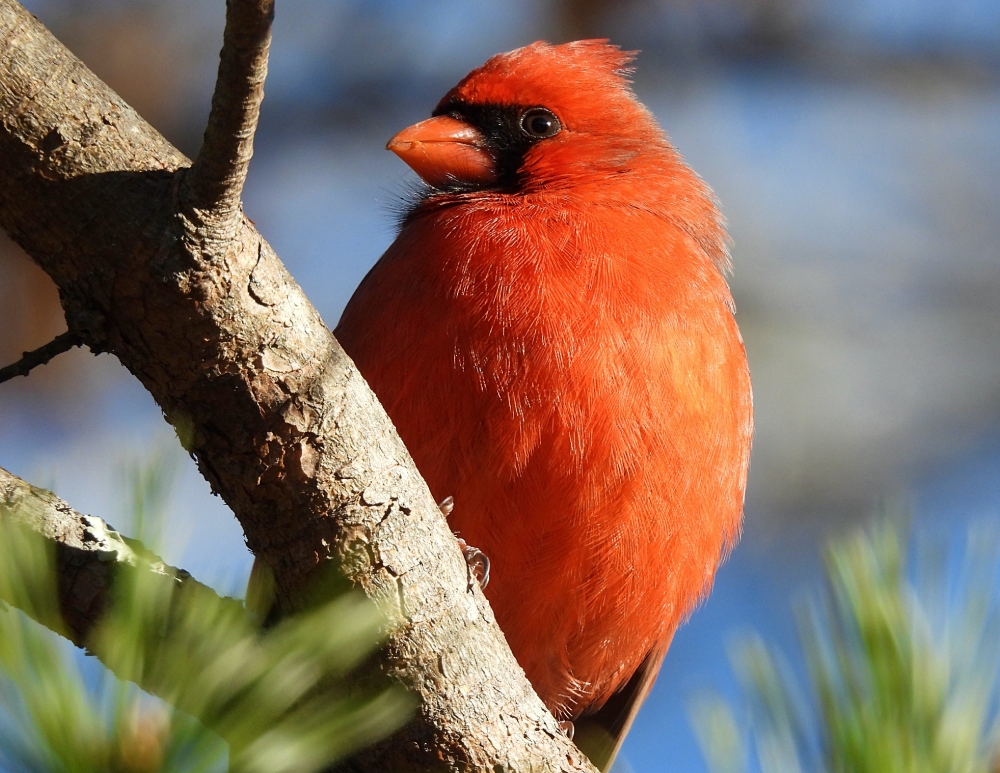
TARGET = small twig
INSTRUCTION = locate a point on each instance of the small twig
(215, 182)
(40, 356)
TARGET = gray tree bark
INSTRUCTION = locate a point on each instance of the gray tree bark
(88, 556)
(156, 264)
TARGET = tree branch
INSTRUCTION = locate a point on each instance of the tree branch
(89, 555)
(216, 179)
(277, 416)
(40, 356)
(154, 625)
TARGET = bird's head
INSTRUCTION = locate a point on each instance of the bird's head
(539, 117)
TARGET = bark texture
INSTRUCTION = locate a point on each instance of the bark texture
(217, 177)
(89, 554)
(198, 307)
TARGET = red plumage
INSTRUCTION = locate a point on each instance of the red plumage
(557, 348)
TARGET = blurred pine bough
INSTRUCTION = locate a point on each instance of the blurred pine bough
(281, 699)
(902, 661)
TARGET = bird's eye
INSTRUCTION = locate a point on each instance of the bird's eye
(539, 123)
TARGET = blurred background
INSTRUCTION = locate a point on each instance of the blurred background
(854, 144)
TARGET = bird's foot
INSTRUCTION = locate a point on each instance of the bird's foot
(567, 728)
(478, 563)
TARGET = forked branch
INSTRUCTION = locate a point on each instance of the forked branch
(278, 418)
(215, 181)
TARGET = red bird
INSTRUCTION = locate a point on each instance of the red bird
(553, 337)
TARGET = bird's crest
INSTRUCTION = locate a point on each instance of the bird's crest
(586, 79)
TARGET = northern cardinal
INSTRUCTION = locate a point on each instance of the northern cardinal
(552, 334)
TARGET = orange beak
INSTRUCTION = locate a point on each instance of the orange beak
(445, 150)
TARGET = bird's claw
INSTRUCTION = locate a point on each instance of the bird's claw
(476, 560)
(446, 505)
(567, 728)
(478, 563)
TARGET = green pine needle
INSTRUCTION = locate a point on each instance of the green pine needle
(296, 697)
(902, 668)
